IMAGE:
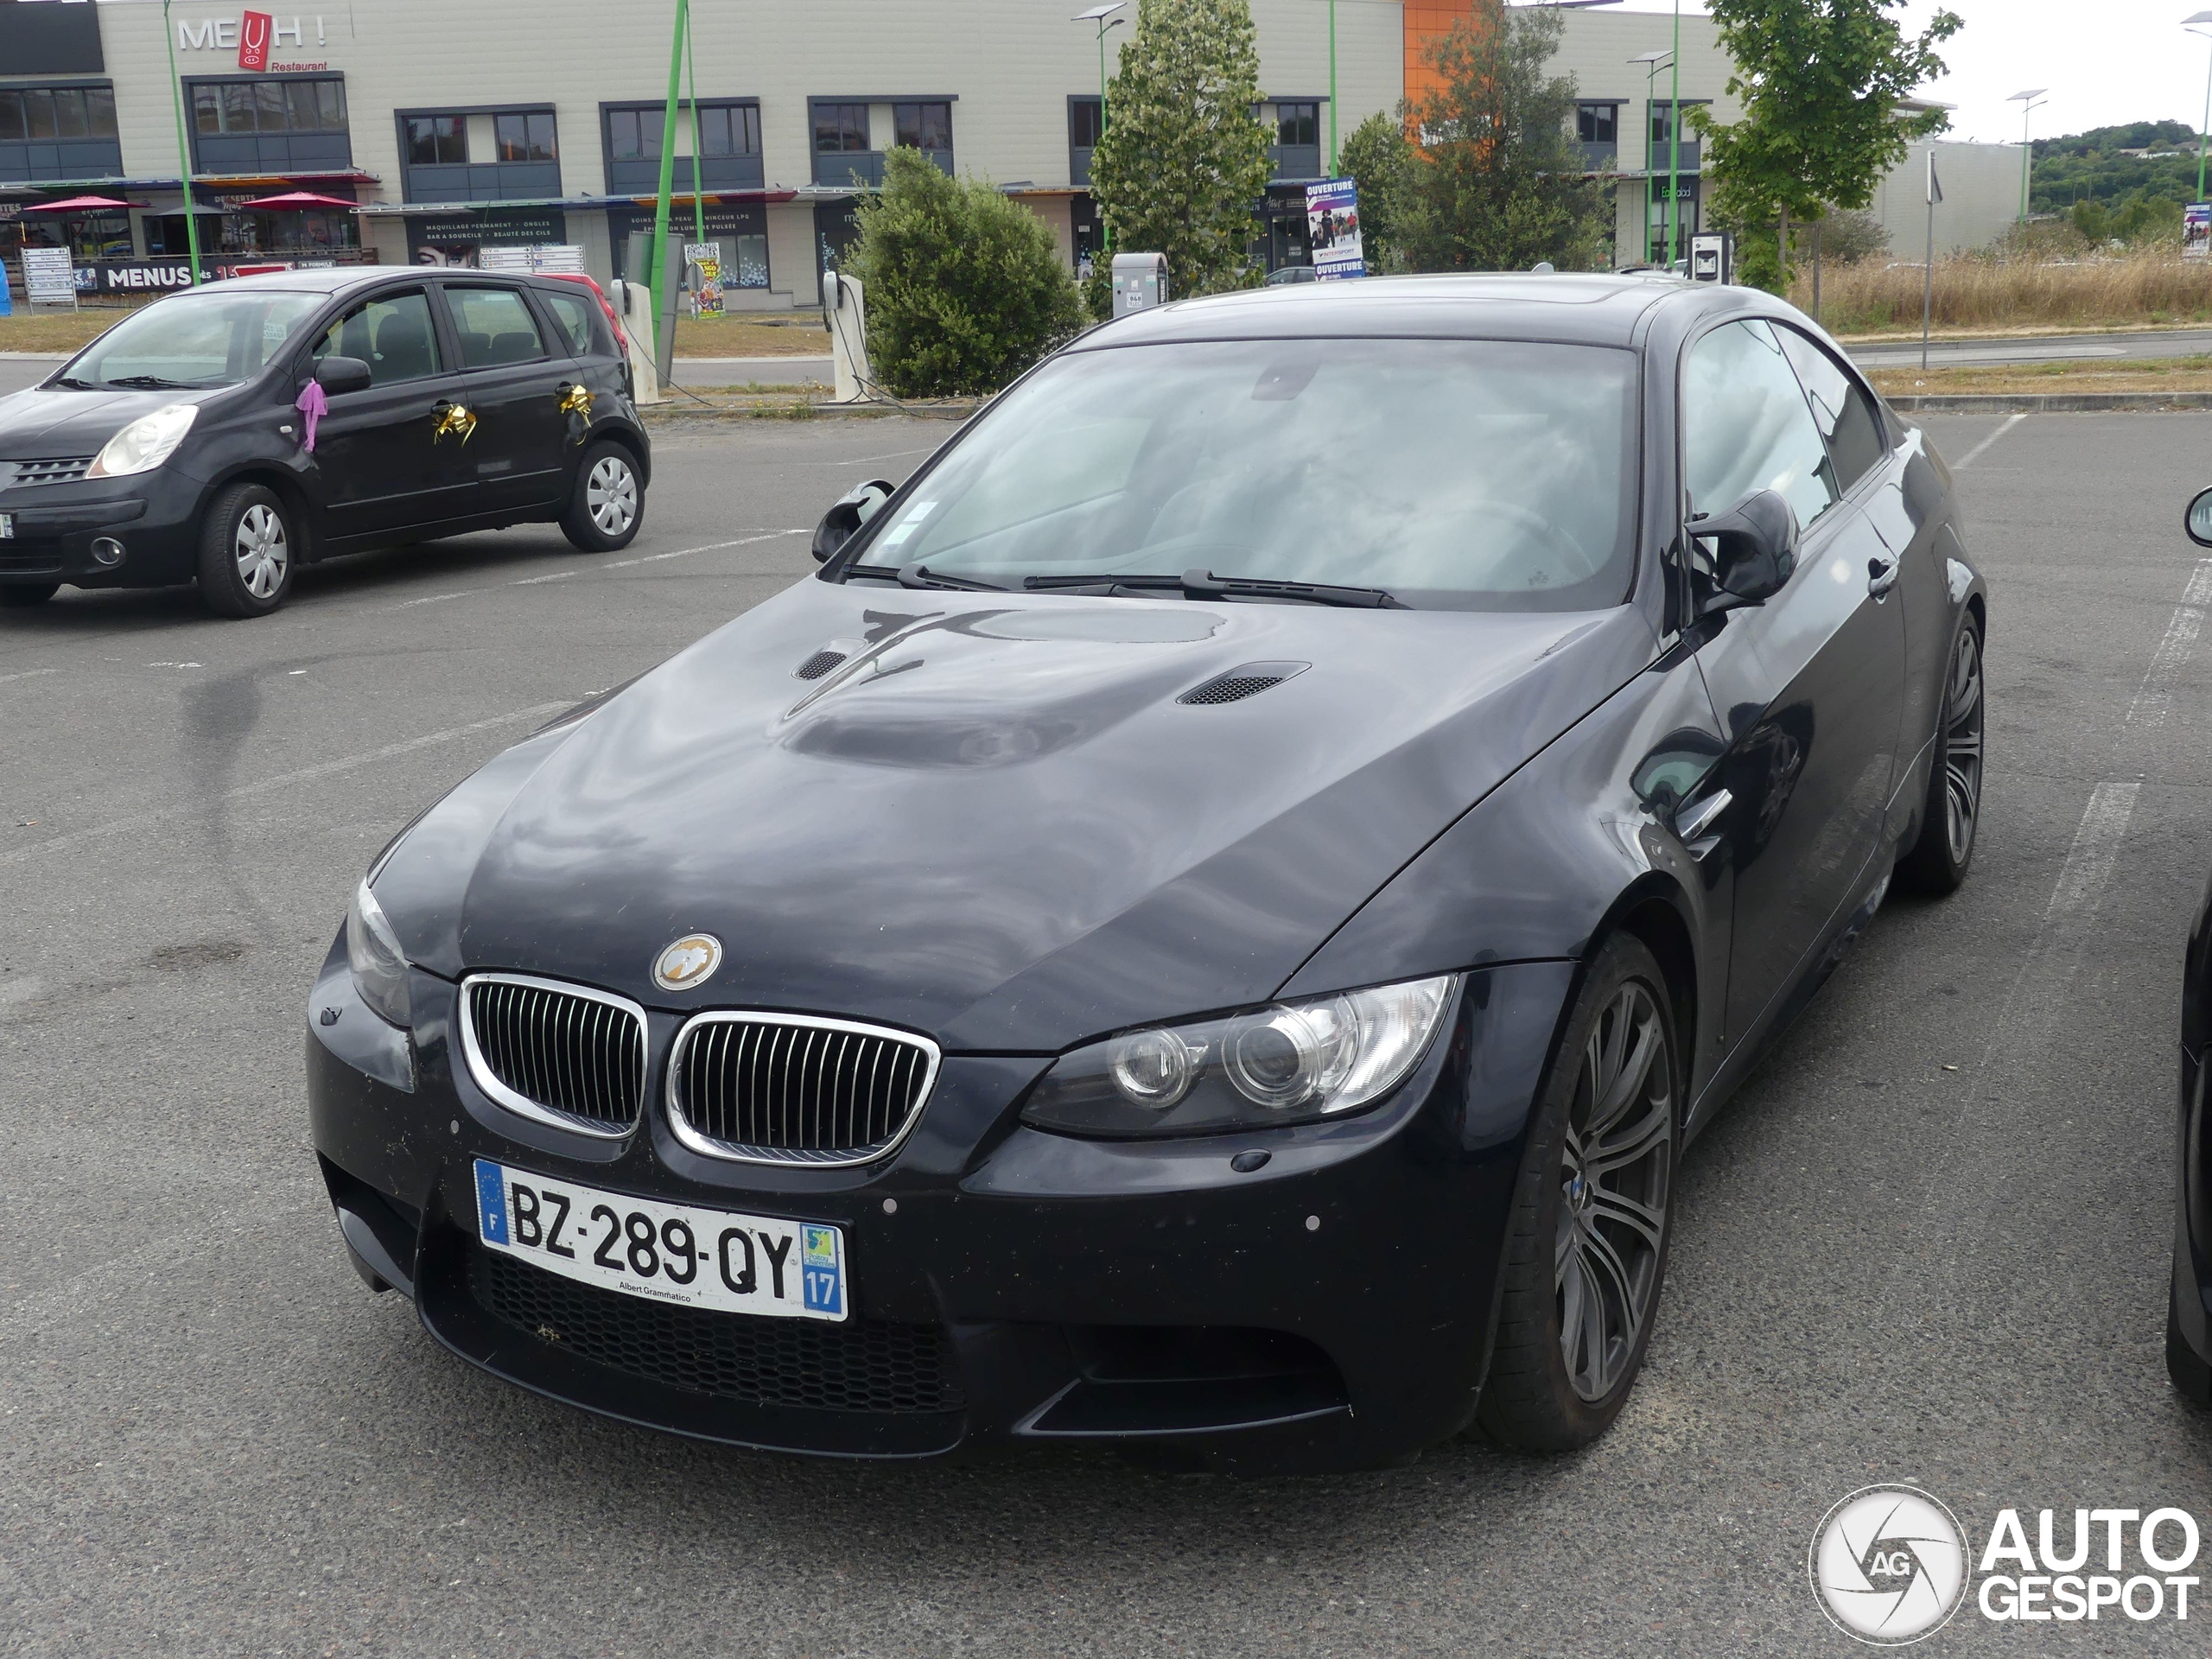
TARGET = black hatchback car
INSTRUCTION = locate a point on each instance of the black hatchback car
(1210, 922)
(228, 434)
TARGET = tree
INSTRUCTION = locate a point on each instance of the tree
(1819, 82)
(1377, 157)
(1496, 183)
(965, 287)
(1182, 159)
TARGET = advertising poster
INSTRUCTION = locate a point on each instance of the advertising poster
(2196, 230)
(702, 273)
(1332, 223)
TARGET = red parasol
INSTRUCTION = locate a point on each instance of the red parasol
(80, 205)
(298, 199)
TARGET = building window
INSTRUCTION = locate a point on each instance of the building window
(44, 114)
(1298, 124)
(726, 129)
(922, 127)
(433, 139)
(840, 129)
(525, 137)
(293, 103)
(1597, 123)
(1086, 122)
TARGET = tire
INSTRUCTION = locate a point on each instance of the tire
(248, 551)
(1950, 819)
(21, 596)
(1585, 1251)
(2185, 1370)
(608, 504)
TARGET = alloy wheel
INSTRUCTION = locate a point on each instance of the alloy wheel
(1962, 742)
(1617, 1169)
(611, 495)
(263, 551)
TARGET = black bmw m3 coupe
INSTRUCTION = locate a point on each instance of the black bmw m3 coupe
(1209, 923)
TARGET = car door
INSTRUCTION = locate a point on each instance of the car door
(377, 465)
(1808, 684)
(509, 433)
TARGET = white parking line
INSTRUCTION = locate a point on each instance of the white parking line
(282, 780)
(1982, 448)
(27, 674)
(2155, 695)
(2087, 872)
(532, 581)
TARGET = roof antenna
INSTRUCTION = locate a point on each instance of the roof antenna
(1543, 267)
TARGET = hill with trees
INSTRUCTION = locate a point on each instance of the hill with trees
(2090, 168)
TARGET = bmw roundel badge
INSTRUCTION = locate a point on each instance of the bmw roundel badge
(689, 962)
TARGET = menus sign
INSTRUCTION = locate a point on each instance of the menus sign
(2196, 230)
(1332, 225)
(48, 279)
(702, 275)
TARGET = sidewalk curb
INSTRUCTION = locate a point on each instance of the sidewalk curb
(2054, 402)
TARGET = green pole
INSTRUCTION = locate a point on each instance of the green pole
(691, 69)
(2205, 133)
(659, 270)
(2027, 155)
(1674, 127)
(183, 151)
(1105, 230)
(1333, 88)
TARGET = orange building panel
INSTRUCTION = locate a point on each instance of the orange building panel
(1427, 23)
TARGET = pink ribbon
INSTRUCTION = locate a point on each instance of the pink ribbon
(313, 404)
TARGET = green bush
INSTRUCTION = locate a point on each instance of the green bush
(965, 287)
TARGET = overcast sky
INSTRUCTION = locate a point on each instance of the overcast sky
(2105, 61)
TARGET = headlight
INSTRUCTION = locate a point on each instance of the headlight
(145, 444)
(1288, 1063)
(379, 967)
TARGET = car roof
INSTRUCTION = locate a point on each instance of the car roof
(344, 279)
(1597, 310)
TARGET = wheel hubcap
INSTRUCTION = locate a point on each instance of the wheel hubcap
(1617, 1170)
(263, 552)
(611, 496)
(1963, 737)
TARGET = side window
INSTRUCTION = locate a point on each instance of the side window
(573, 315)
(1747, 425)
(495, 327)
(1847, 416)
(392, 334)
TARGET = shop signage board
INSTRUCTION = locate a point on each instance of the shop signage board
(48, 278)
(1332, 225)
(702, 270)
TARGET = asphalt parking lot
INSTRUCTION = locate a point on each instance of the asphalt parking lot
(1927, 1244)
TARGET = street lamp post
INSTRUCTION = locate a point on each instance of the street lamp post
(1651, 60)
(1099, 15)
(183, 153)
(2030, 102)
(1333, 91)
(2195, 26)
(1674, 130)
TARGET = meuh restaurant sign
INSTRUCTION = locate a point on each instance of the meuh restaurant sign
(254, 36)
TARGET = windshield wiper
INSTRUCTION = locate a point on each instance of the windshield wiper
(921, 575)
(1204, 584)
(150, 382)
(73, 383)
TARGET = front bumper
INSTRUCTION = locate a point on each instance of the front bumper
(155, 515)
(1331, 1309)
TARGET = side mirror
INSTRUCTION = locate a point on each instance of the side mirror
(338, 375)
(2198, 520)
(1754, 551)
(842, 521)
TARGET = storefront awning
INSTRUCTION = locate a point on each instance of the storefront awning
(27, 187)
(565, 204)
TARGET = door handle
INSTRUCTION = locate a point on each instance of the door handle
(1695, 824)
(1881, 576)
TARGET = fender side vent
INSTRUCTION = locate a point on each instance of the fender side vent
(1238, 684)
(819, 665)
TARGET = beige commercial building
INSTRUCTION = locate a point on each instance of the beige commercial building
(432, 131)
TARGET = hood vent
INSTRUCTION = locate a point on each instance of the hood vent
(1238, 684)
(819, 665)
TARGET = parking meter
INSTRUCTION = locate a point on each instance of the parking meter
(1140, 282)
(1712, 256)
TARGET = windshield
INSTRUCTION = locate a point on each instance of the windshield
(215, 337)
(1463, 474)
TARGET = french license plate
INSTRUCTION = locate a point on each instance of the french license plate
(7, 526)
(664, 1252)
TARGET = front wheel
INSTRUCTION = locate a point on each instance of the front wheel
(1951, 816)
(19, 596)
(609, 503)
(247, 552)
(1586, 1249)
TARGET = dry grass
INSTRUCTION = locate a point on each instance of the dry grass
(2147, 290)
(802, 336)
(2151, 374)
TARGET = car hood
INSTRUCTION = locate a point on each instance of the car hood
(43, 422)
(992, 821)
